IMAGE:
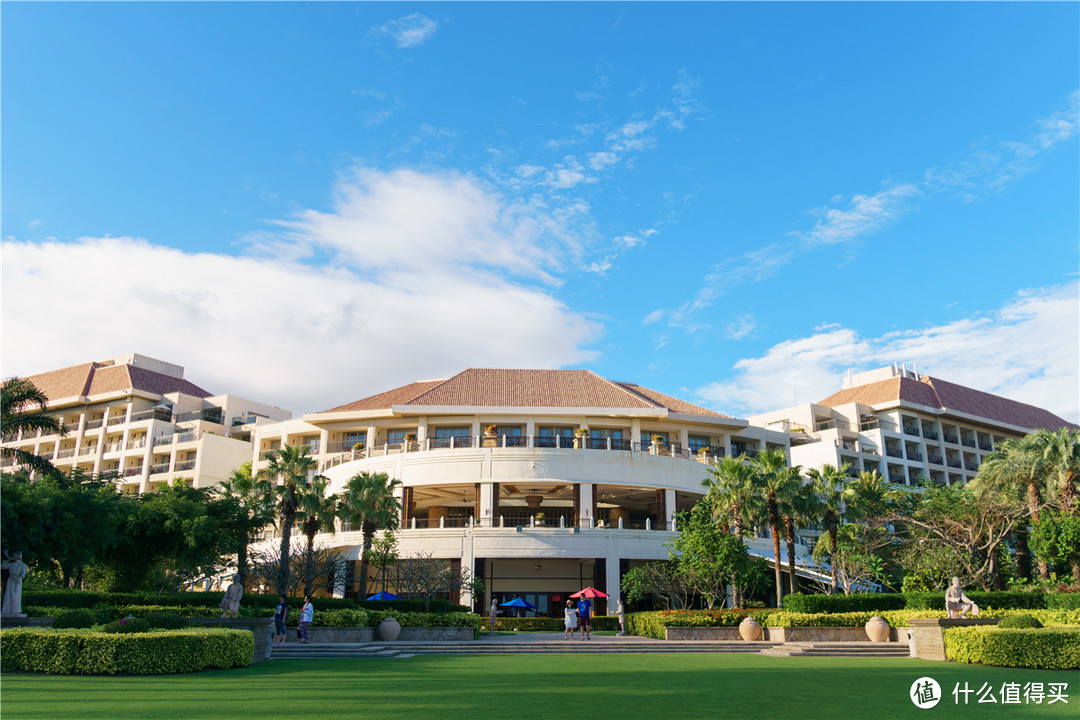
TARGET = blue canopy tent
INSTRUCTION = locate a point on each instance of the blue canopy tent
(383, 596)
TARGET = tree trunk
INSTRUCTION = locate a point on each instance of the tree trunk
(309, 556)
(287, 518)
(1034, 505)
(362, 581)
(774, 528)
(242, 561)
(1023, 554)
(833, 544)
(789, 536)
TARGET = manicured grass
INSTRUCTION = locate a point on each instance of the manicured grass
(626, 685)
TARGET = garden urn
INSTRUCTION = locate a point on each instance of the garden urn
(878, 629)
(389, 629)
(750, 629)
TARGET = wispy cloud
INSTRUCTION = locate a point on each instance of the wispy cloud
(409, 31)
(1028, 350)
(352, 300)
(848, 219)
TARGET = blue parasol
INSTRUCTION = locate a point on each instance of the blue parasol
(383, 596)
(518, 603)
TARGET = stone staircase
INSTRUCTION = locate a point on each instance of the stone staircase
(605, 646)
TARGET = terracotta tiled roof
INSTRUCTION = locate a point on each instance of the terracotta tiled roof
(97, 379)
(482, 387)
(945, 396)
(384, 400)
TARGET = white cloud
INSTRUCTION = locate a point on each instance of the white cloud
(409, 31)
(409, 276)
(862, 215)
(654, 317)
(742, 327)
(1029, 350)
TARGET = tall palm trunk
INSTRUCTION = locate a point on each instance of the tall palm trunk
(774, 528)
(789, 536)
(287, 518)
(242, 561)
(833, 545)
(1034, 503)
(369, 535)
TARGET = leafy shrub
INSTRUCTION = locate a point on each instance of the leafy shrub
(1002, 600)
(341, 618)
(550, 624)
(71, 652)
(856, 602)
(165, 621)
(436, 605)
(1063, 601)
(407, 619)
(1045, 649)
(75, 619)
(126, 625)
(1019, 621)
(652, 624)
(81, 599)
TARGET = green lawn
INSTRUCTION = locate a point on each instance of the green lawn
(626, 686)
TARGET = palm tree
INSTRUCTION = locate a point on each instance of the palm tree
(318, 511)
(1020, 465)
(17, 399)
(255, 511)
(289, 472)
(772, 478)
(731, 490)
(829, 483)
(368, 501)
(799, 506)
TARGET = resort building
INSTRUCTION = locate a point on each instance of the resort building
(540, 482)
(909, 427)
(139, 418)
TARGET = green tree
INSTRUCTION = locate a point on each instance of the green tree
(383, 555)
(252, 510)
(733, 498)
(829, 483)
(774, 480)
(22, 408)
(369, 503)
(799, 507)
(317, 511)
(288, 473)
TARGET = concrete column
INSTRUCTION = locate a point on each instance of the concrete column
(613, 589)
(421, 429)
(586, 504)
(487, 505)
(724, 442)
(669, 507)
(684, 438)
(635, 431)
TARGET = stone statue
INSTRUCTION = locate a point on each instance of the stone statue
(621, 612)
(12, 602)
(231, 602)
(957, 603)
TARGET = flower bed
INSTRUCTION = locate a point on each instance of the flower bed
(88, 652)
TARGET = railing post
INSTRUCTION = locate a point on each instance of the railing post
(502, 521)
(412, 521)
(620, 524)
(562, 521)
(673, 528)
(648, 523)
(442, 522)
(532, 521)
(609, 444)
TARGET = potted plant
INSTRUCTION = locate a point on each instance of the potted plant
(410, 437)
(657, 439)
(491, 431)
(579, 437)
(357, 447)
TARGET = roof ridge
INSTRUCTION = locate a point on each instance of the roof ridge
(438, 384)
(628, 391)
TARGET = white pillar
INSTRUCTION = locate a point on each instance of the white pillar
(586, 496)
(669, 507)
(613, 589)
(487, 504)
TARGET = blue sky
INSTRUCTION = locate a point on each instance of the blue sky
(733, 203)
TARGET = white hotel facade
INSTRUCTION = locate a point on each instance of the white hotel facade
(569, 489)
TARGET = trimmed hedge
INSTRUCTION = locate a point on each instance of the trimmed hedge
(1019, 621)
(74, 619)
(407, 619)
(80, 599)
(85, 652)
(652, 624)
(436, 605)
(1043, 649)
(550, 624)
(999, 599)
(1063, 601)
(856, 602)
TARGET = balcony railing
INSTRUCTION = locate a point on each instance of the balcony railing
(914, 455)
(935, 459)
(162, 414)
(88, 450)
(245, 419)
(61, 454)
(133, 471)
(929, 433)
(186, 465)
(832, 424)
(136, 444)
(985, 445)
(971, 466)
(71, 427)
(94, 424)
(951, 438)
(967, 441)
(159, 468)
(911, 430)
(209, 415)
(953, 463)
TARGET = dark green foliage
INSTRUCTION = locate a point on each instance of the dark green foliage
(71, 652)
(855, 602)
(1063, 601)
(1019, 621)
(652, 624)
(406, 619)
(80, 599)
(1047, 648)
(550, 624)
(127, 625)
(75, 619)
(340, 618)
(1000, 600)
(435, 605)
(165, 621)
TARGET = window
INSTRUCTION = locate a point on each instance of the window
(698, 441)
(395, 437)
(508, 430)
(555, 431)
(452, 432)
(606, 433)
(351, 438)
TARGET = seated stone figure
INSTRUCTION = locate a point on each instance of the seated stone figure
(957, 603)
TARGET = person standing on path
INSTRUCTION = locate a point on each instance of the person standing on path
(584, 610)
(281, 612)
(307, 614)
(570, 619)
